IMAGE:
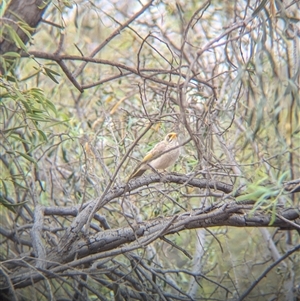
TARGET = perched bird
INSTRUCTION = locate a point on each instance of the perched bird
(159, 157)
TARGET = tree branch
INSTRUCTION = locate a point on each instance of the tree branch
(112, 242)
(16, 13)
(263, 275)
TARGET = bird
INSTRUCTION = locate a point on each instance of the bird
(159, 157)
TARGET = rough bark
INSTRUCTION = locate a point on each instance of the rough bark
(29, 12)
(80, 249)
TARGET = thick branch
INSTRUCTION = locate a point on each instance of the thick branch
(28, 11)
(111, 242)
(81, 220)
(37, 238)
(228, 214)
(118, 241)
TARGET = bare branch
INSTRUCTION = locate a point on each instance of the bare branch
(264, 274)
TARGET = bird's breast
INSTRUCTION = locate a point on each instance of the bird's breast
(165, 160)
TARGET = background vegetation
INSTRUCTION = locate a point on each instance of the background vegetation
(88, 89)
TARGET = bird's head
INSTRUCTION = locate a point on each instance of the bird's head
(171, 137)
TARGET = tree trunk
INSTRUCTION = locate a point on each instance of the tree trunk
(18, 14)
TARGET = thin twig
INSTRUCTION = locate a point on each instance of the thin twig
(263, 275)
(177, 247)
(115, 33)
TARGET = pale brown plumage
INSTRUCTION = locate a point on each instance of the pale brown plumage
(159, 157)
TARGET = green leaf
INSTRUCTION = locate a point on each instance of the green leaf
(51, 106)
(283, 177)
(50, 73)
(11, 78)
(9, 205)
(37, 117)
(18, 138)
(3, 7)
(20, 185)
(3, 64)
(14, 36)
(65, 155)
(25, 28)
(43, 135)
(6, 204)
(13, 129)
(254, 196)
(11, 54)
(273, 216)
(29, 158)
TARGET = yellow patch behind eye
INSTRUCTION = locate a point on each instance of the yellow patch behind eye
(172, 136)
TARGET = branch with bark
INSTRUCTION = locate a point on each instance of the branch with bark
(21, 19)
(76, 248)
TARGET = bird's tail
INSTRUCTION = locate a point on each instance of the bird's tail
(137, 173)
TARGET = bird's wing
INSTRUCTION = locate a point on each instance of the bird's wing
(156, 151)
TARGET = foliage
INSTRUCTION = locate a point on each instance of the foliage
(97, 86)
